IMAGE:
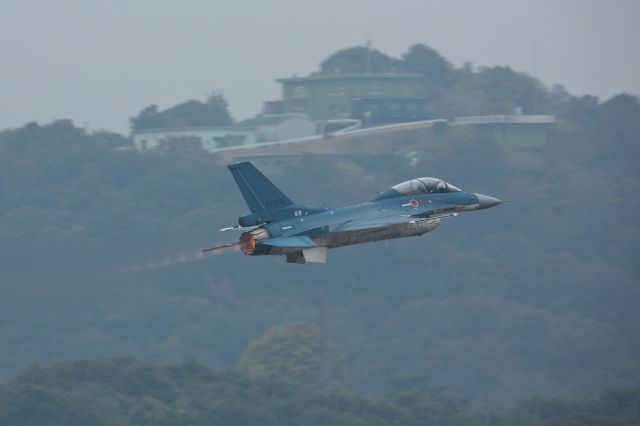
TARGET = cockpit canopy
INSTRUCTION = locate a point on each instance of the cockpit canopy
(424, 185)
(420, 186)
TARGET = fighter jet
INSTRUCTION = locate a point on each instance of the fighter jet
(278, 226)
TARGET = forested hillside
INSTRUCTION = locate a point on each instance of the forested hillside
(538, 296)
(123, 391)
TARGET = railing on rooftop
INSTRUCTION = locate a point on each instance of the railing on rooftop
(505, 119)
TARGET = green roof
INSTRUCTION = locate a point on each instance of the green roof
(353, 76)
(190, 129)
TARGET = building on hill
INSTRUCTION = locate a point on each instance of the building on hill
(370, 97)
(262, 128)
(273, 107)
(276, 127)
(207, 138)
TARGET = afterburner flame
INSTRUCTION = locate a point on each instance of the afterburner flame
(247, 243)
(249, 239)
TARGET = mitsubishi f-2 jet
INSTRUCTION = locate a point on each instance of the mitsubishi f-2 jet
(278, 226)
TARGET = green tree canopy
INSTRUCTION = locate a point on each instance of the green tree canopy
(426, 60)
(126, 391)
(213, 112)
(295, 351)
(359, 59)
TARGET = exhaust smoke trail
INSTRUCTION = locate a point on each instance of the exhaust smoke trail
(178, 259)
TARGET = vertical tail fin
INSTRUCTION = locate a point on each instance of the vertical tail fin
(258, 191)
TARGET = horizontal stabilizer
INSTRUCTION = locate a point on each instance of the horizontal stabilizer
(312, 255)
(300, 242)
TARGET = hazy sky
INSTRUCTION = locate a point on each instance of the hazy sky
(100, 62)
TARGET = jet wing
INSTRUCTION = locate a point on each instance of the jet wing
(375, 222)
(301, 242)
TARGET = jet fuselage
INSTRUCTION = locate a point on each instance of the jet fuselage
(304, 233)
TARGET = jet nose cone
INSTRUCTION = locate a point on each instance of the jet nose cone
(485, 201)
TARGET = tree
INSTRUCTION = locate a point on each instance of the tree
(359, 59)
(618, 133)
(425, 60)
(294, 352)
(213, 112)
(502, 89)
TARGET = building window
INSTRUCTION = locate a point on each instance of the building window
(299, 105)
(299, 92)
(375, 88)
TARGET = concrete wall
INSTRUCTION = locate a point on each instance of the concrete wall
(291, 128)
